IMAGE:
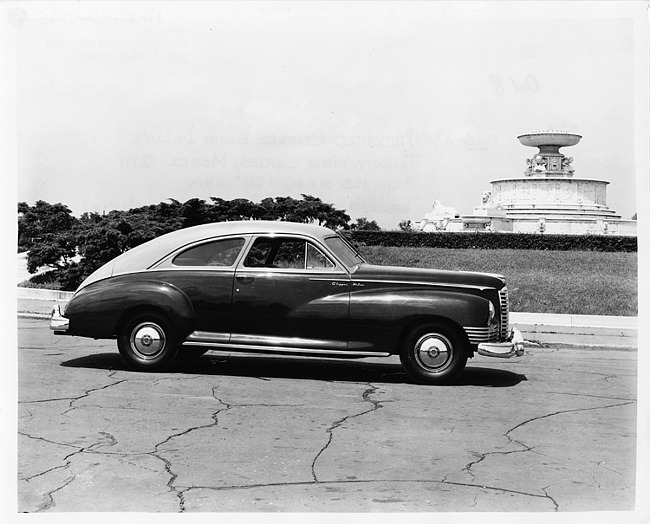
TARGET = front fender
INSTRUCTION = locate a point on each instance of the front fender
(380, 316)
(95, 311)
(394, 305)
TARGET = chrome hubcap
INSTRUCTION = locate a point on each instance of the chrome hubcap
(148, 339)
(433, 351)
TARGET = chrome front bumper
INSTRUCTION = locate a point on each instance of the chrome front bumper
(514, 347)
(58, 323)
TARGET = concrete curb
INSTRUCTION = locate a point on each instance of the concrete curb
(583, 330)
(574, 320)
(33, 316)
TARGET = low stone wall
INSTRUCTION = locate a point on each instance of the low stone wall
(532, 225)
(560, 226)
(43, 294)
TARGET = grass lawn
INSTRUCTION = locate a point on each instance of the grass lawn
(570, 282)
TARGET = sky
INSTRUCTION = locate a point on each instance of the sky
(377, 108)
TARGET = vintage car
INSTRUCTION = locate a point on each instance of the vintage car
(287, 288)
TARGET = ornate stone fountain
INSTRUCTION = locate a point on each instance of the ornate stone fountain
(546, 199)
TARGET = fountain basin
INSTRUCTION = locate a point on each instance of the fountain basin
(549, 139)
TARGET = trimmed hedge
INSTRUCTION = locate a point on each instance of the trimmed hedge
(494, 241)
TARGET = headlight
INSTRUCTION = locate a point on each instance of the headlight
(491, 314)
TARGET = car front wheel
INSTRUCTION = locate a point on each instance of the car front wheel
(433, 354)
(147, 342)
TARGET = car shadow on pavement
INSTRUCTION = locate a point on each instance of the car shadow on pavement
(306, 368)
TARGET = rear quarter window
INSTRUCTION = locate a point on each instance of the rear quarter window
(219, 253)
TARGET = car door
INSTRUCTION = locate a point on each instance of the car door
(289, 294)
(204, 272)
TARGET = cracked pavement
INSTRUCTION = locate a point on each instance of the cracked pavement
(553, 431)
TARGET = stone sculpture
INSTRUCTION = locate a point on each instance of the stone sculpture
(566, 164)
(440, 211)
(439, 217)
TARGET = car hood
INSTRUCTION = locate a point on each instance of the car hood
(415, 275)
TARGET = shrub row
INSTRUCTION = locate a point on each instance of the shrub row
(494, 241)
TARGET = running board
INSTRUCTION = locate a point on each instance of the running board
(287, 350)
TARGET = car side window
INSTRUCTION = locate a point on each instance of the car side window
(316, 259)
(259, 253)
(220, 253)
(286, 253)
(290, 254)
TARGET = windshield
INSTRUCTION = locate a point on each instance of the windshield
(342, 249)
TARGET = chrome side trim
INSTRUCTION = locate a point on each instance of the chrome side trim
(420, 283)
(208, 336)
(280, 349)
(291, 342)
(212, 269)
(293, 271)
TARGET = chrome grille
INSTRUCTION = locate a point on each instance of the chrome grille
(505, 312)
(477, 335)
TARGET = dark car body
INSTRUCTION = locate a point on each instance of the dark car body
(287, 288)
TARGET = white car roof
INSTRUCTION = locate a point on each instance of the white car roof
(145, 255)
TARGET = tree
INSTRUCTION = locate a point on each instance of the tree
(46, 230)
(163, 217)
(54, 250)
(363, 224)
(242, 209)
(405, 225)
(194, 212)
(227, 210)
(103, 237)
(42, 219)
(313, 209)
(309, 209)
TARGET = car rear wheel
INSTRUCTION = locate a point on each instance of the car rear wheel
(147, 342)
(433, 354)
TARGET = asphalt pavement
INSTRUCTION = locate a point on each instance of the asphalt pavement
(551, 432)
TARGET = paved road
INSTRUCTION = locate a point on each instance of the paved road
(553, 431)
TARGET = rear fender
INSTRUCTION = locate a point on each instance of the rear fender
(98, 310)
